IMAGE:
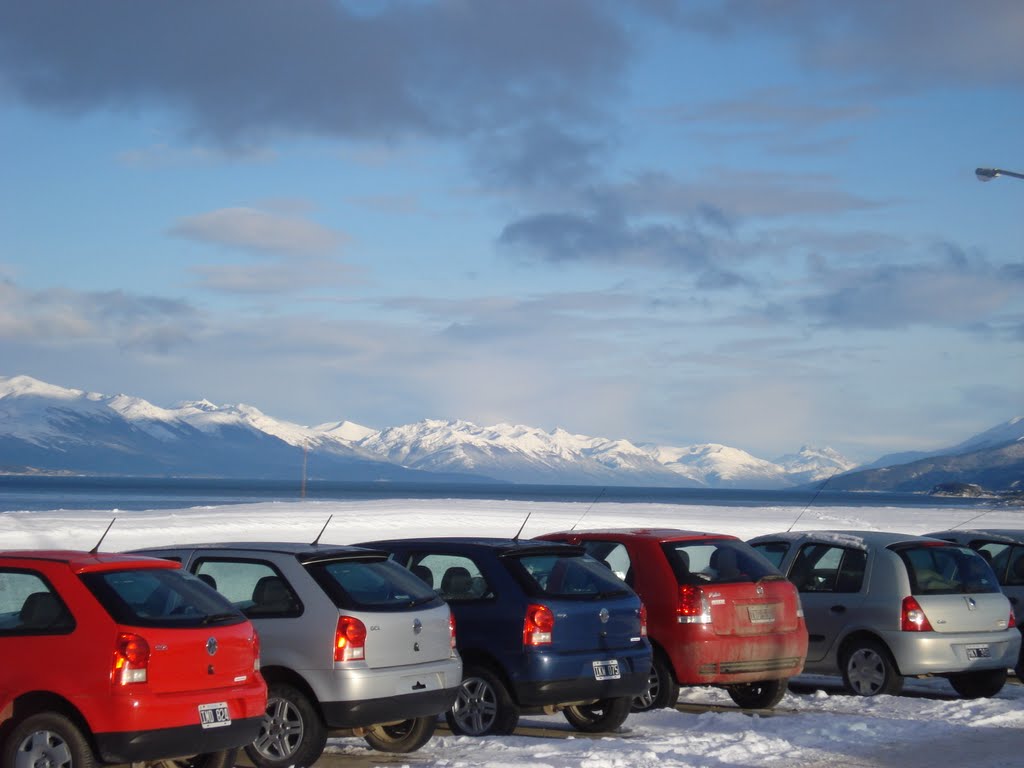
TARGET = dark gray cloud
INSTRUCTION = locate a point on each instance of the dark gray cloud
(242, 71)
(956, 290)
(888, 45)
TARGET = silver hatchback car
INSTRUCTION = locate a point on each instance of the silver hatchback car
(350, 644)
(883, 606)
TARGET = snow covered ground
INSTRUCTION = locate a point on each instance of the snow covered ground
(927, 727)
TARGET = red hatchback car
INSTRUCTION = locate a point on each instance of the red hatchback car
(718, 613)
(121, 659)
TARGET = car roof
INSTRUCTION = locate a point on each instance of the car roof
(303, 551)
(647, 534)
(80, 561)
(862, 539)
(499, 545)
(1008, 535)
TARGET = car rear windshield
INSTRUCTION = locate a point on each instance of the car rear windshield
(947, 570)
(717, 561)
(566, 575)
(372, 585)
(160, 597)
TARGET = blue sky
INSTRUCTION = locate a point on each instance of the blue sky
(754, 223)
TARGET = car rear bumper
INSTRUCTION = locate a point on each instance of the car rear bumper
(560, 678)
(725, 660)
(360, 696)
(166, 743)
(928, 653)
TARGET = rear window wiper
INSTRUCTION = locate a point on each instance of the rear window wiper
(212, 618)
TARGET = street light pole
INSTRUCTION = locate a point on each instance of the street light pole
(987, 174)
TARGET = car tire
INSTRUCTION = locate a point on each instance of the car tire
(662, 688)
(483, 705)
(47, 738)
(869, 670)
(292, 732)
(222, 759)
(982, 684)
(406, 736)
(761, 694)
(601, 716)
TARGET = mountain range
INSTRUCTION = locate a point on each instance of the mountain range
(51, 429)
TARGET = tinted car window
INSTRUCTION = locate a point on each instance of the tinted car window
(455, 577)
(30, 606)
(556, 575)
(255, 587)
(378, 585)
(159, 597)
(772, 551)
(829, 568)
(716, 562)
(947, 570)
(612, 554)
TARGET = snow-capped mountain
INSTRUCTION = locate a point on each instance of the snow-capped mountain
(48, 428)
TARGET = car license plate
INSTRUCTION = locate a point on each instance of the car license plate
(606, 670)
(978, 652)
(214, 715)
(761, 614)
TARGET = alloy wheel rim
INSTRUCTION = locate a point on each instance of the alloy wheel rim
(281, 730)
(476, 706)
(866, 672)
(646, 699)
(43, 749)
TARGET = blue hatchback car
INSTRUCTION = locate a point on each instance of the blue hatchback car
(542, 627)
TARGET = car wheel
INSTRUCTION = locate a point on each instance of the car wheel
(603, 715)
(868, 670)
(483, 705)
(223, 759)
(406, 736)
(47, 739)
(761, 694)
(978, 685)
(291, 734)
(662, 688)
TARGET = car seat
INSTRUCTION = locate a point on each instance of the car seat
(425, 574)
(41, 610)
(456, 583)
(271, 595)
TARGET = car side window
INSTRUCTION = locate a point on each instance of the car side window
(612, 554)
(30, 606)
(773, 551)
(256, 587)
(828, 568)
(1015, 571)
(1000, 557)
(453, 577)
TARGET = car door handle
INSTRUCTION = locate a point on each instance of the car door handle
(837, 609)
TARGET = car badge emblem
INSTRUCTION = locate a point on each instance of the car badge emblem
(760, 590)
(603, 615)
(211, 646)
(417, 626)
(971, 605)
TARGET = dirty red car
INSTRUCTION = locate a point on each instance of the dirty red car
(718, 613)
(121, 659)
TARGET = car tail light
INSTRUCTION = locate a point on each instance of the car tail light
(1013, 620)
(537, 625)
(350, 639)
(643, 620)
(912, 618)
(451, 626)
(693, 606)
(256, 651)
(131, 659)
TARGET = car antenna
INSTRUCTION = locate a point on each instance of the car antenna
(96, 549)
(316, 541)
(972, 519)
(815, 496)
(516, 537)
(588, 509)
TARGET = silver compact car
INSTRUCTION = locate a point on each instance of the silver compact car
(351, 644)
(1004, 550)
(883, 606)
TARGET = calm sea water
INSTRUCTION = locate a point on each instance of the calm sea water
(45, 493)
